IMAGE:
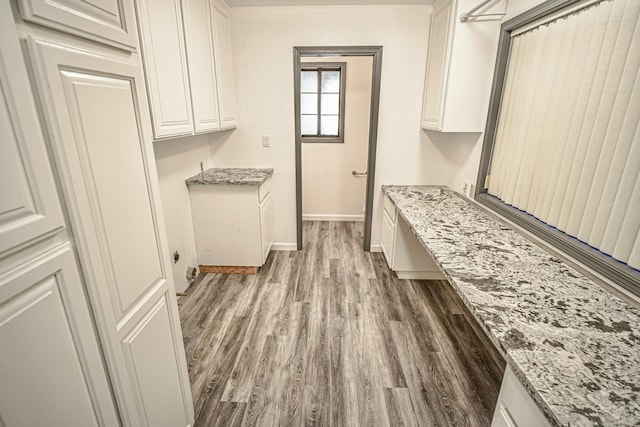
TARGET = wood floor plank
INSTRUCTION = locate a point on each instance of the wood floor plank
(329, 336)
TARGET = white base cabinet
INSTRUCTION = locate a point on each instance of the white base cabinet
(232, 223)
(515, 407)
(402, 250)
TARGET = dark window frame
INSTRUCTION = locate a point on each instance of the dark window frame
(619, 273)
(327, 66)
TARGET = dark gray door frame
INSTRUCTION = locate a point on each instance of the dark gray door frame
(376, 53)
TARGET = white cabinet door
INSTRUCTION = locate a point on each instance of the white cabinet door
(224, 66)
(165, 62)
(266, 228)
(202, 67)
(94, 110)
(387, 237)
(112, 22)
(29, 205)
(51, 371)
(437, 66)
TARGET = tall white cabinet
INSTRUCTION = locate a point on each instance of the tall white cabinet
(186, 50)
(89, 325)
(51, 370)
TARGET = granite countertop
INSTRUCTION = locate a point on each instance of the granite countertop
(231, 176)
(573, 345)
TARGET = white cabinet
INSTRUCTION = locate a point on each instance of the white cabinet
(186, 52)
(51, 369)
(109, 183)
(202, 65)
(460, 64)
(404, 253)
(232, 223)
(165, 63)
(112, 22)
(515, 407)
(224, 65)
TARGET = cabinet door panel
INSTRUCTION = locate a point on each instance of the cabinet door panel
(224, 66)
(437, 64)
(165, 61)
(266, 228)
(111, 22)
(51, 371)
(94, 110)
(149, 349)
(387, 237)
(202, 71)
(29, 205)
(123, 199)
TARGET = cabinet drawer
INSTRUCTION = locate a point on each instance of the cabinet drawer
(389, 208)
(264, 190)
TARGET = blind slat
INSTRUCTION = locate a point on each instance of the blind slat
(567, 146)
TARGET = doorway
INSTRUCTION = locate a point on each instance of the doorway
(301, 55)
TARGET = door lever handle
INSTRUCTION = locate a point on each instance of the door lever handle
(356, 173)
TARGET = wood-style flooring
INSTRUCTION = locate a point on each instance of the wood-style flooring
(329, 336)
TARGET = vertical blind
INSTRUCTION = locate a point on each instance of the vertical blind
(567, 146)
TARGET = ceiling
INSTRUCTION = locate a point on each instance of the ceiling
(239, 3)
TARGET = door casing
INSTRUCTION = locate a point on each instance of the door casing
(337, 51)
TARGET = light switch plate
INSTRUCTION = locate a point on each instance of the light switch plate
(266, 141)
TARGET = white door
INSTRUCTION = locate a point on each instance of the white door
(96, 114)
(51, 370)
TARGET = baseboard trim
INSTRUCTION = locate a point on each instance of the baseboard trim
(284, 247)
(420, 275)
(375, 248)
(324, 217)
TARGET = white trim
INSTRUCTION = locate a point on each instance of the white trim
(375, 248)
(284, 247)
(329, 217)
(420, 275)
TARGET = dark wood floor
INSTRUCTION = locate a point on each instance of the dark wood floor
(329, 336)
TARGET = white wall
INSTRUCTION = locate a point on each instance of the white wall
(329, 190)
(178, 159)
(263, 63)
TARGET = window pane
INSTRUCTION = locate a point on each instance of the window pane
(309, 81)
(329, 125)
(308, 103)
(331, 81)
(309, 124)
(330, 104)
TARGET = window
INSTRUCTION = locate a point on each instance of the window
(562, 145)
(322, 87)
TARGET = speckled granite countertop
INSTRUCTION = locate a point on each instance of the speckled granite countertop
(572, 344)
(231, 176)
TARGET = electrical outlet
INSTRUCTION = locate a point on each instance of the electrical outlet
(465, 189)
(266, 141)
(468, 189)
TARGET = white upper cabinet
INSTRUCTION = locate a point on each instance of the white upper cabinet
(202, 66)
(165, 64)
(187, 59)
(112, 22)
(460, 63)
(224, 63)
